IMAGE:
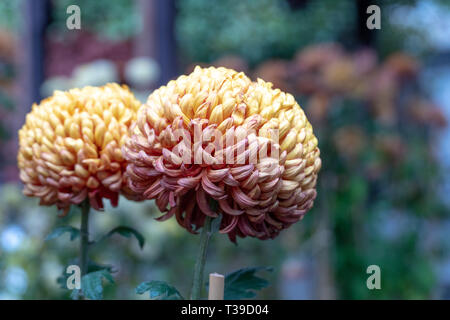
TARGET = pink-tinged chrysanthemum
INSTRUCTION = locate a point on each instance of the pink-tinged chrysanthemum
(70, 146)
(214, 142)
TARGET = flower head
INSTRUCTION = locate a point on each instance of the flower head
(215, 138)
(70, 146)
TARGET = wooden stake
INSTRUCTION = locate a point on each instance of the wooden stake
(216, 286)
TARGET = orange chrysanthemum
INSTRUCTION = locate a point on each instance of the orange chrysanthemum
(70, 146)
(267, 181)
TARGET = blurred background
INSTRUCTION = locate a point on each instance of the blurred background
(379, 102)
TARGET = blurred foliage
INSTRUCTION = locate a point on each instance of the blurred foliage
(9, 27)
(376, 127)
(115, 20)
(10, 14)
(257, 30)
(43, 262)
(376, 130)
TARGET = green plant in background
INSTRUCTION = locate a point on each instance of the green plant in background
(373, 222)
(94, 273)
(380, 178)
(116, 20)
(260, 30)
(70, 155)
(31, 267)
(10, 15)
(9, 28)
(257, 30)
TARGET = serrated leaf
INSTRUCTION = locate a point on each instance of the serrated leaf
(92, 286)
(127, 232)
(242, 283)
(159, 290)
(57, 232)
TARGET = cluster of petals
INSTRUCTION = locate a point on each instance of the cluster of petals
(70, 146)
(257, 196)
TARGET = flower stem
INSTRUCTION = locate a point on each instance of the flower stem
(84, 237)
(205, 235)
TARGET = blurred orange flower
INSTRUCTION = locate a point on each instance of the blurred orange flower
(426, 113)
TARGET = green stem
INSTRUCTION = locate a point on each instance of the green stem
(84, 237)
(205, 235)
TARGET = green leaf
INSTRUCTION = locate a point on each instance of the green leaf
(75, 294)
(242, 283)
(92, 286)
(127, 232)
(159, 290)
(94, 266)
(62, 279)
(74, 233)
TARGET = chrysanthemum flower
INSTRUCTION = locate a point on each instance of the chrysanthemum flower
(260, 169)
(70, 146)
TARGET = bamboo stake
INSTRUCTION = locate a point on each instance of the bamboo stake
(216, 286)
